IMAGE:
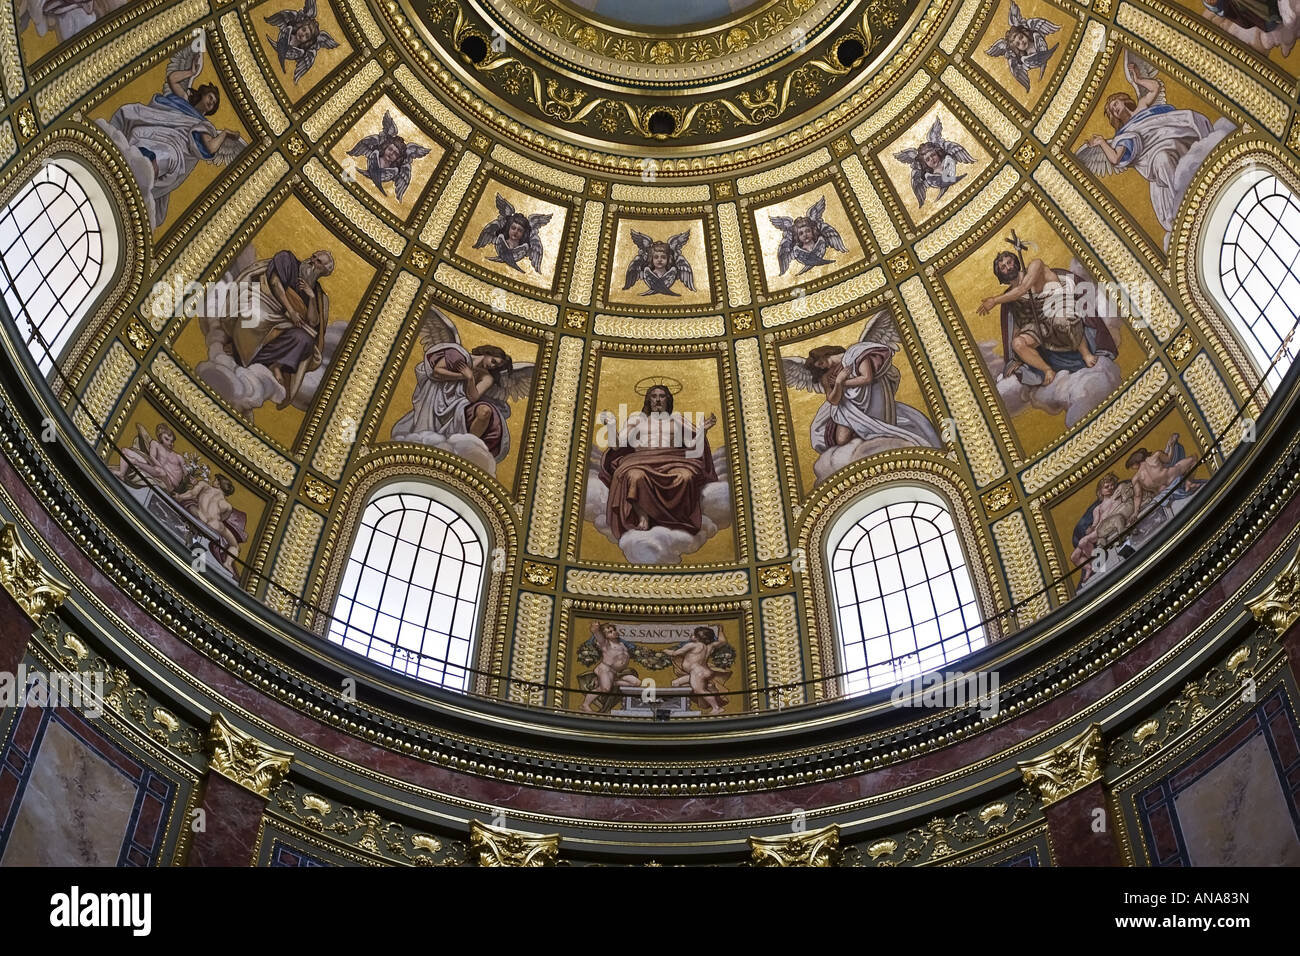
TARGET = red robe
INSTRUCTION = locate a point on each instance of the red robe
(671, 499)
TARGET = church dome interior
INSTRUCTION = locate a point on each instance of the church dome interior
(709, 432)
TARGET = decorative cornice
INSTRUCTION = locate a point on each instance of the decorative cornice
(245, 760)
(1068, 768)
(497, 846)
(802, 848)
(36, 592)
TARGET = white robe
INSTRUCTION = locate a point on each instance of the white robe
(169, 128)
(867, 409)
(1166, 146)
(438, 406)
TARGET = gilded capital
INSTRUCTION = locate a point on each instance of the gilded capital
(805, 848)
(497, 846)
(245, 760)
(1067, 769)
(1278, 607)
(36, 592)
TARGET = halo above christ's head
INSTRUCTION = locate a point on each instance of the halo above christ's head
(643, 387)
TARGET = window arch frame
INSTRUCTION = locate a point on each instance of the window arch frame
(868, 503)
(481, 626)
(1223, 205)
(68, 341)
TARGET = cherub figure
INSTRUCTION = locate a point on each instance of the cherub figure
(1025, 45)
(514, 236)
(806, 238)
(1104, 523)
(612, 657)
(704, 665)
(153, 459)
(299, 39)
(209, 502)
(934, 163)
(388, 157)
(660, 265)
(1156, 472)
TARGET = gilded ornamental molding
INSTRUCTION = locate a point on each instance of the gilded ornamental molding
(803, 848)
(245, 760)
(36, 592)
(1278, 606)
(1068, 768)
(497, 846)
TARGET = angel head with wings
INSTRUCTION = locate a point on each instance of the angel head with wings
(806, 238)
(934, 163)
(299, 38)
(1025, 45)
(388, 157)
(514, 236)
(660, 265)
(463, 392)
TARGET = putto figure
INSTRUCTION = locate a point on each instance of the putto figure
(299, 39)
(514, 236)
(934, 163)
(388, 158)
(1025, 45)
(660, 265)
(1165, 145)
(806, 238)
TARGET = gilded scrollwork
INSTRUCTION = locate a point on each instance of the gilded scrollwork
(243, 759)
(1068, 768)
(498, 846)
(37, 592)
(820, 847)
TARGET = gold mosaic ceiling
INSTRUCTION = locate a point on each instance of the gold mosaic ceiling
(718, 212)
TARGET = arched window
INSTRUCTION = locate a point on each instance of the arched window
(903, 597)
(1251, 266)
(56, 256)
(413, 584)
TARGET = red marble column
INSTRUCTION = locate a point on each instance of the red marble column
(1291, 642)
(1072, 828)
(232, 820)
(243, 772)
(15, 631)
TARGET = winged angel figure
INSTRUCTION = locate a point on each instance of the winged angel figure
(164, 139)
(299, 38)
(934, 163)
(388, 157)
(514, 236)
(860, 415)
(806, 238)
(1025, 45)
(462, 396)
(660, 265)
(1165, 145)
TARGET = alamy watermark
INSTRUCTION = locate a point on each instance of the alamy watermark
(653, 429)
(942, 689)
(83, 692)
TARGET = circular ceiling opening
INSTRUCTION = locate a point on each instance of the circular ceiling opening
(849, 50)
(474, 48)
(661, 123)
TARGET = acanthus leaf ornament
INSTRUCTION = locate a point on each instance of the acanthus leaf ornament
(819, 847)
(35, 590)
(1278, 607)
(1068, 768)
(498, 846)
(245, 760)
